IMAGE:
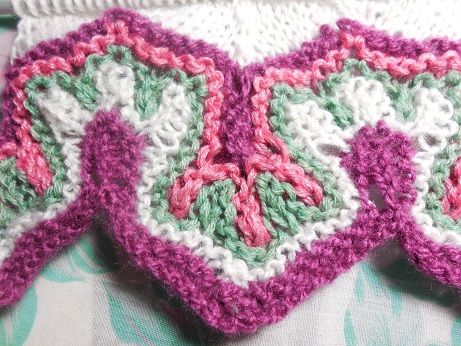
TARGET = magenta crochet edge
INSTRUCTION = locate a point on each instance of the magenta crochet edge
(224, 305)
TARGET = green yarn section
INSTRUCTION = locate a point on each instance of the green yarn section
(214, 211)
(16, 195)
(283, 212)
(14, 188)
(401, 94)
(6, 215)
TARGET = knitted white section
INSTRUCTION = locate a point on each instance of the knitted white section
(248, 30)
(367, 99)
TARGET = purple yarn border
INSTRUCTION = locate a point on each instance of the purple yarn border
(222, 304)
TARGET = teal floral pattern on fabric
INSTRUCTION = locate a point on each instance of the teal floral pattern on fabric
(16, 325)
(139, 327)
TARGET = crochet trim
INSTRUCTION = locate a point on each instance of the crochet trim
(243, 189)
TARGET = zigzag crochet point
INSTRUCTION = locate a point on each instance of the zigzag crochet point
(241, 209)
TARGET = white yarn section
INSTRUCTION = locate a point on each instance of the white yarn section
(249, 30)
(432, 129)
(367, 99)
(116, 84)
(67, 120)
(432, 126)
(317, 131)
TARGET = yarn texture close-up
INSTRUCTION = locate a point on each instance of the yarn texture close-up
(238, 168)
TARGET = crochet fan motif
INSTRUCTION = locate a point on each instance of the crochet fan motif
(242, 189)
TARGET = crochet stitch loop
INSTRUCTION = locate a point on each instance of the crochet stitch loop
(254, 107)
(452, 199)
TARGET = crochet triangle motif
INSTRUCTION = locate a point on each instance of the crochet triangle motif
(242, 189)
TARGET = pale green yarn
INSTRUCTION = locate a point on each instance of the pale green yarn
(214, 210)
(16, 195)
(283, 212)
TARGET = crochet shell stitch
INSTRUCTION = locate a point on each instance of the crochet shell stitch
(243, 189)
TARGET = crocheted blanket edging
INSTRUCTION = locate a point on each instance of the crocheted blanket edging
(242, 189)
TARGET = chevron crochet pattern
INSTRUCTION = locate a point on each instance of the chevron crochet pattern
(243, 189)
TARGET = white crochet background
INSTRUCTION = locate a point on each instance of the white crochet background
(248, 30)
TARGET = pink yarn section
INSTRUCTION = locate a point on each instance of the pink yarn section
(7, 150)
(452, 199)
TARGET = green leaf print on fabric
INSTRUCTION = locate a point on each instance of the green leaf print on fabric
(141, 327)
(57, 274)
(376, 315)
(7, 22)
(349, 333)
(16, 322)
(456, 332)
